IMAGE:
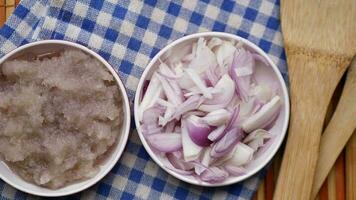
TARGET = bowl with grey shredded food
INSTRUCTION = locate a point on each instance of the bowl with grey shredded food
(64, 118)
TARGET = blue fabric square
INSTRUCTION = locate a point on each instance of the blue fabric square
(65, 15)
(196, 18)
(181, 193)
(150, 2)
(158, 184)
(104, 189)
(96, 4)
(227, 5)
(142, 22)
(265, 45)
(104, 54)
(142, 153)
(154, 52)
(135, 175)
(119, 12)
(88, 25)
(21, 11)
(111, 35)
(6, 31)
(173, 9)
(219, 26)
(250, 14)
(273, 23)
(125, 67)
(127, 196)
(134, 44)
(165, 31)
(242, 34)
(58, 36)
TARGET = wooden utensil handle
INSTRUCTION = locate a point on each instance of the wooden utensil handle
(310, 95)
(351, 168)
(338, 131)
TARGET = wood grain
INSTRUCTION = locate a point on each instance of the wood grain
(338, 131)
(2, 12)
(319, 43)
(351, 168)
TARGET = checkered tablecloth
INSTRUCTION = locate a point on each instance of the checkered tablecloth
(128, 34)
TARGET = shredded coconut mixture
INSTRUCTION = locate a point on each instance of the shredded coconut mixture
(59, 116)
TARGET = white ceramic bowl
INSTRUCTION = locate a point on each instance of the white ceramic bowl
(278, 130)
(14, 180)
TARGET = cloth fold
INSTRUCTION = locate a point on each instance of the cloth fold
(128, 34)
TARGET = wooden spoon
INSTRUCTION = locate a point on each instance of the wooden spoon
(351, 168)
(319, 38)
(338, 131)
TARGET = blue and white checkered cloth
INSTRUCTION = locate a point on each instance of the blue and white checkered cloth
(128, 34)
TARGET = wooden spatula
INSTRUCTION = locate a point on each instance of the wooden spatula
(338, 131)
(319, 38)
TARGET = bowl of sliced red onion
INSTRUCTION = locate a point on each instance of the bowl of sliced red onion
(211, 109)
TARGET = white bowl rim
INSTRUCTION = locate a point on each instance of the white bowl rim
(276, 71)
(125, 134)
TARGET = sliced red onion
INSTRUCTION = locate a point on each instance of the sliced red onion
(243, 154)
(226, 143)
(153, 92)
(262, 92)
(217, 117)
(204, 57)
(170, 126)
(178, 163)
(214, 175)
(243, 61)
(206, 158)
(256, 139)
(226, 86)
(234, 170)
(165, 142)
(198, 131)
(191, 151)
(179, 171)
(150, 120)
(217, 133)
(199, 83)
(260, 58)
(263, 117)
(213, 42)
(168, 90)
(234, 118)
(211, 76)
(225, 55)
(190, 104)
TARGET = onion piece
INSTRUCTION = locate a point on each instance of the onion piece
(203, 59)
(235, 170)
(217, 134)
(214, 175)
(226, 86)
(263, 117)
(226, 143)
(241, 70)
(168, 90)
(262, 92)
(243, 154)
(260, 58)
(178, 163)
(165, 142)
(198, 131)
(256, 139)
(213, 42)
(191, 151)
(190, 104)
(153, 92)
(199, 83)
(217, 117)
(224, 55)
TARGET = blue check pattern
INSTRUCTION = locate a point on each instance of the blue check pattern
(128, 34)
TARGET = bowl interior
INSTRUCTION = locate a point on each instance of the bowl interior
(264, 74)
(13, 179)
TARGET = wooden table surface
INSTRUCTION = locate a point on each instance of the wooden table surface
(339, 184)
